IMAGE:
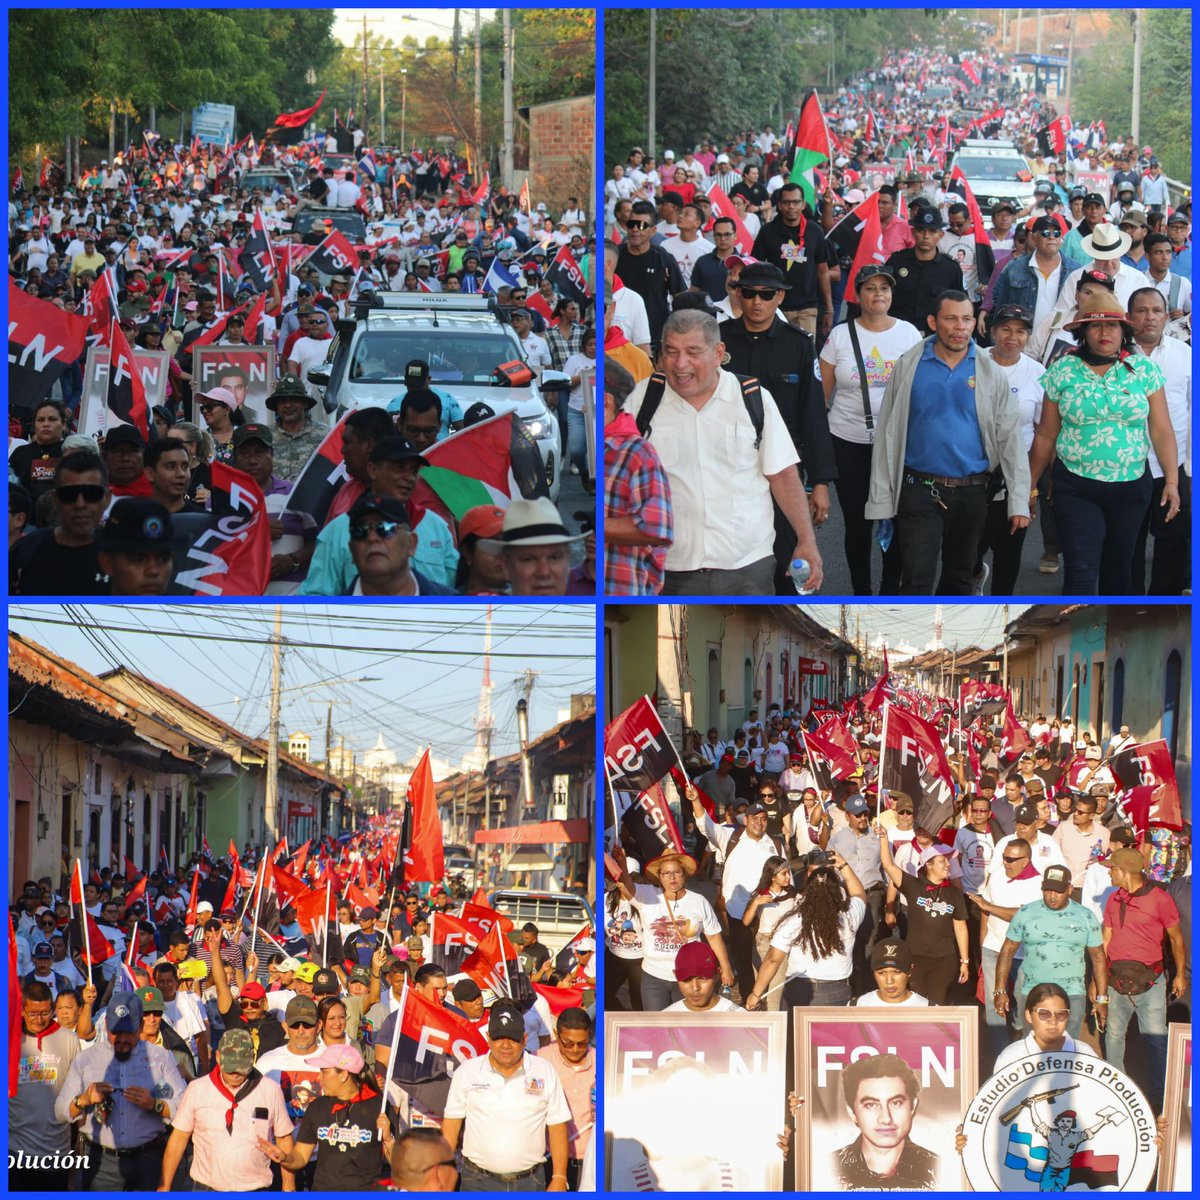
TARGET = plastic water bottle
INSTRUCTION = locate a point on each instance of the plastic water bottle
(798, 573)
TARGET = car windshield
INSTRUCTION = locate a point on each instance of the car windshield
(380, 355)
(998, 168)
(347, 222)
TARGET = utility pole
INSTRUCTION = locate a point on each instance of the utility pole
(506, 154)
(271, 808)
(1017, 47)
(403, 106)
(478, 101)
(1006, 647)
(652, 86)
(365, 68)
(382, 110)
(1038, 45)
(455, 48)
(1138, 39)
(1070, 58)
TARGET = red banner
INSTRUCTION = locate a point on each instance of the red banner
(424, 861)
(42, 342)
(722, 206)
(1149, 765)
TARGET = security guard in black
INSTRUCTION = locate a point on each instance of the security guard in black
(922, 272)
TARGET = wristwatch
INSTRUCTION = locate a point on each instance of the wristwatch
(160, 1108)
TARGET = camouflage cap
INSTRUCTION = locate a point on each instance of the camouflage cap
(235, 1050)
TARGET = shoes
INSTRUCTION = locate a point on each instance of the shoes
(980, 580)
(1048, 564)
(574, 469)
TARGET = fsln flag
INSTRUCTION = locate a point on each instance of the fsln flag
(42, 342)
(912, 761)
(637, 751)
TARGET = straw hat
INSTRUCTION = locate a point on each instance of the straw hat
(685, 860)
(1101, 307)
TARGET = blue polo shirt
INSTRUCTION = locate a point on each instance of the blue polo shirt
(943, 428)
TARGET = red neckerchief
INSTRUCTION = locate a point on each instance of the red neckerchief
(614, 338)
(365, 1092)
(53, 1027)
(249, 1086)
(1029, 872)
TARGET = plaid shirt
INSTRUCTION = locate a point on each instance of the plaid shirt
(635, 485)
(561, 348)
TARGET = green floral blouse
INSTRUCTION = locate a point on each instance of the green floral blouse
(1104, 434)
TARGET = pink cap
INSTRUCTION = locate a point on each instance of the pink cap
(221, 396)
(744, 259)
(340, 1058)
(931, 852)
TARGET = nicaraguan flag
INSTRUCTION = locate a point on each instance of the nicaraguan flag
(1023, 1155)
(498, 276)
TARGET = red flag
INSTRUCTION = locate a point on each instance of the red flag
(681, 782)
(523, 197)
(480, 897)
(43, 341)
(321, 478)
(1147, 805)
(446, 928)
(835, 732)
(434, 1027)
(97, 947)
(560, 998)
(290, 888)
(873, 699)
(424, 861)
(300, 858)
(126, 391)
(722, 206)
(978, 698)
(100, 304)
(230, 900)
(189, 918)
(651, 825)
(480, 194)
(568, 279)
(254, 319)
(76, 893)
(297, 120)
(311, 909)
(842, 763)
(968, 69)
(14, 1013)
(131, 870)
(637, 751)
(870, 240)
(1149, 765)
(361, 897)
(230, 555)
(1014, 740)
(487, 966)
(258, 258)
(485, 916)
(135, 893)
(216, 330)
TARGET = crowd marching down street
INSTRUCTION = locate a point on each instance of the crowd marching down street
(307, 1020)
(937, 280)
(171, 310)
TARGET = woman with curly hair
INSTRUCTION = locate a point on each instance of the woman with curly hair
(816, 938)
(771, 902)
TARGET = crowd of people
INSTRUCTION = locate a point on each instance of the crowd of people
(207, 1054)
(1033, 364)
(794, 885)
(163, 244)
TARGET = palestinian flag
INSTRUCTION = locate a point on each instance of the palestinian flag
(488, 463)
(985, 258)
(812, 148)
(42, 342)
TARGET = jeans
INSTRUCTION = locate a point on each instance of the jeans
(806, 992)
(1150, 1008)
(658, 993)
(754, 579)
(926, 529)
(1006, 548)
(1171, 561)
(1046, 515)
(577, 441)
(740, 942)
(1098, 526)
(473, 1179)
(853, 483)
(134, 1173)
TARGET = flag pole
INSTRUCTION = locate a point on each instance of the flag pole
(325, 940)
(882, 752)
(258, 903)
(83, 915)
(387, 1078)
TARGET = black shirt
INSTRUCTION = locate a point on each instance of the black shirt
(39, 566)
(266, 1031)
(709, 275)
(755, 193)
(916, 1170)
(532, 957)
(918, 284)
(349, 1155)
(931, 913)
(777, 243)
(655, 277)
(34, 465)
(781, 359)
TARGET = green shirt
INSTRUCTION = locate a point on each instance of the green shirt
(1104, 435)
(1056, 944)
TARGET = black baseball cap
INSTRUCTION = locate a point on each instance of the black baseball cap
(925, 217)
(395, 449)
(135, 524)
(891, 952)
(869, 271)
(1013, 312)
(385, 506)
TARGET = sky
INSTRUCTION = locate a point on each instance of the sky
(410, 672)
(395, 23)
(966, 625)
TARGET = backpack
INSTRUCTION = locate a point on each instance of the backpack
(751, 397)
(737, 837)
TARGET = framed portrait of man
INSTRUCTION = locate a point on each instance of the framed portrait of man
(882, 1094)
(247, 371)
(1175, 1161)
(672, 1080)
(94, 415)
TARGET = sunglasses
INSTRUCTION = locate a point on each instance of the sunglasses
(302, 1024)
(1051, 233)
(638, 225)
(71, 493)
(385, 529)
(211, 407)
(1046, 1014)
(751, 293)
(1019, 858)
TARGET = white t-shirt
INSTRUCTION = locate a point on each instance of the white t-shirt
(309, 352)
(1007, 893)
(961, 248)
(974, 852)
(775, 757)
(686, 254)
(1027, 1045)
(537, 353)
(722, 1005)
(185, 1016)
(880, 352)
(800, 964)
(1023, 381)
(662, 936)
(1046, 853)
(629, 316)
(874, 1000)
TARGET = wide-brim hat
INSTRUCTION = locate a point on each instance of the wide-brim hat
(290, 387)
(1104, 306)
(535, 523)
(685, 860)
(1106, 241)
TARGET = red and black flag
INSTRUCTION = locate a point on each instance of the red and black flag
(126, 391)
(288, 129)
(567, 278)
(321, 478)
(912, 761)
(227, 551)
(977, 698)
(724, 208)
(985, 258)
(1014, 740)
(637, 751)
(858, 236)
(334, 256)
(651, 826)
(1149, 766)
(43, 341)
